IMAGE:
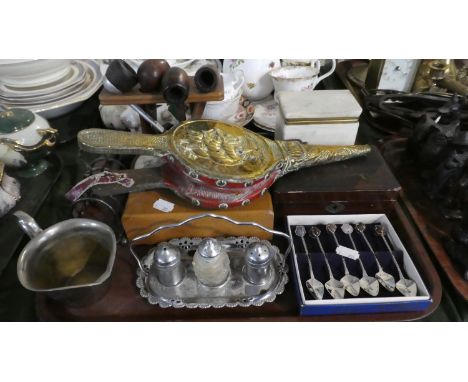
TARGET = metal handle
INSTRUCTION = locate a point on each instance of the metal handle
(364, 273)
(400, 274)
(101, 141)
(115, 216)
(27, 224)
(330, 273)
(372, 250)
(48, 139)
(198, 217)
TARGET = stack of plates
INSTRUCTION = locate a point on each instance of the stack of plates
(61, 88)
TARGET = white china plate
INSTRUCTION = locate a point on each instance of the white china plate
(65, 105)
(34, 81)
(49, 97)
(270, 130)
(265, 114)
(46, 98)
(73, 78)
(26, 86)
(32, 72)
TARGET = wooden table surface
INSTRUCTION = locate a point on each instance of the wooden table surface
(123, 302)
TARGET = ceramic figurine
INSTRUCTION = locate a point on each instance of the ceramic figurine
(216, 164)
(120, 117)
(9, 191)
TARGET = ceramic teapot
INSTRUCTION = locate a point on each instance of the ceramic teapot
(258, 83)
(23, 132)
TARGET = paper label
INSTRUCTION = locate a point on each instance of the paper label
(347, 252)
(163, 205)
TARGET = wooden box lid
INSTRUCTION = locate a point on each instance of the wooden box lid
(141, 217)
(359, 179)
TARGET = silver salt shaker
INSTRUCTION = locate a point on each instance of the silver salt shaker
(258, 257)
(167, 264)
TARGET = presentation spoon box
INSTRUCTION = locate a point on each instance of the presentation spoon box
(319, 117)
(385, 301)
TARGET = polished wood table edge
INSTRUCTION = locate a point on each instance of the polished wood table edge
(438, 251)
(376, 317)
(423, 255)
(424, 215)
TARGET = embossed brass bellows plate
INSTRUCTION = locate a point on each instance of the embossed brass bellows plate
(216, 164)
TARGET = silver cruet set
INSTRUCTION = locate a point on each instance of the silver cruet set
(211, 272)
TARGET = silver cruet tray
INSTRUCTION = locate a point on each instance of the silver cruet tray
(190, 293)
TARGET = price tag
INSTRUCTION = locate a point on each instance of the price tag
(163, 205)
(347, 252)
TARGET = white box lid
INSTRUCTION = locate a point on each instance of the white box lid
(318, 105)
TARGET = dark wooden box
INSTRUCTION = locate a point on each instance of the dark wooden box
(359, 185)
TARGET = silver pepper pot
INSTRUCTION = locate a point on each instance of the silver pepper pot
(258, 257)
(167, 265)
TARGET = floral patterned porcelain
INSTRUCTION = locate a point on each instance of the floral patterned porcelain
(299, 78)
(245, 113)
(258, 84)
(224, 109)
(265, 114)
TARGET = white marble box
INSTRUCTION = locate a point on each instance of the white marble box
(321, 117)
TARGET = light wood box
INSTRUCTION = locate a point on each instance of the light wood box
(140, 217)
